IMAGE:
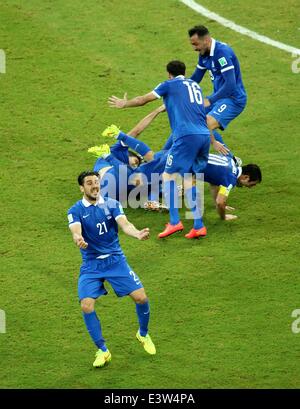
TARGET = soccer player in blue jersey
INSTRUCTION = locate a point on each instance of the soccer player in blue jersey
(125, 178)
(120, 150)
(115, 171)
(94, 222)
(229, 97)
(224, 173)
(116, 163)
(184, 104)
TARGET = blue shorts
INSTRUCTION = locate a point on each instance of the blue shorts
(113, 269)
(224, 111)
(185, 151)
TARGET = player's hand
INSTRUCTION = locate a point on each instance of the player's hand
(206, 103)
(229, 217)
(162, 108)
(144, 234)
(115, 102)
(79, 241)
(229, 208)
(219, 147)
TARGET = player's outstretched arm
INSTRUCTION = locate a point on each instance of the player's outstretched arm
(146, 121)
(77, 235)
(115, 102)
(221, 201)
(129, 229)
(218, 146)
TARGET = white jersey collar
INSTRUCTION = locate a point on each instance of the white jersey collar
(180, 76)
(86, 203)
(212, 47)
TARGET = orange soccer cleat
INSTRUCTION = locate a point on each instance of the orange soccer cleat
(196, 233)
(170, 229)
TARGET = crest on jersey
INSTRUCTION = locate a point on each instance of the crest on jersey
(222, 61)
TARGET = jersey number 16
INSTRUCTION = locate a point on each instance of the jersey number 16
(194, 92)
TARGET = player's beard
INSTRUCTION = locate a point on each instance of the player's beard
(93, 198)
(205, 53)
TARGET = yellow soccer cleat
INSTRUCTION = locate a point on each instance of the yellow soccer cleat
(100, 151)
(101, 358)
(147, 343)
(111, 130)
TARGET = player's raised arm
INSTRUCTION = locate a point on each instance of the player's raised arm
(77, 235)
(146, 121)
(115, 102)
(129, 229)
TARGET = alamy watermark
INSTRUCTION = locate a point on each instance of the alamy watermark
(2, 322)
(134, 191)
(2, 62)
(296, 63)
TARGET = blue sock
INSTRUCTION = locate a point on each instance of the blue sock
(154, 196)
(171, 198)
(94, 328)
(133, 143)
(193, 199)
(143, 313)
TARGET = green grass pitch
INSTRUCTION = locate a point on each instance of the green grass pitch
(221, 307)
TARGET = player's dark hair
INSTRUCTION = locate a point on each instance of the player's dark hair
(201, 31)
(176, 68)
(84, 175)
(134, 155)
(253, 171)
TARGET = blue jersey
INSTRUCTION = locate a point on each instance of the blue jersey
(157, 165)
(120, 151)
(99, 227)
(184, 104)
(114, 183)
(222, 171)
(221, 59)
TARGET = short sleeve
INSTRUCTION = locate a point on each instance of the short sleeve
(161, 89)
(73, 216)
(115, 208)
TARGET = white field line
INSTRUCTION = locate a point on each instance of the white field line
(242, 30)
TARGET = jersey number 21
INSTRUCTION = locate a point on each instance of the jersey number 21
(102, 226)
